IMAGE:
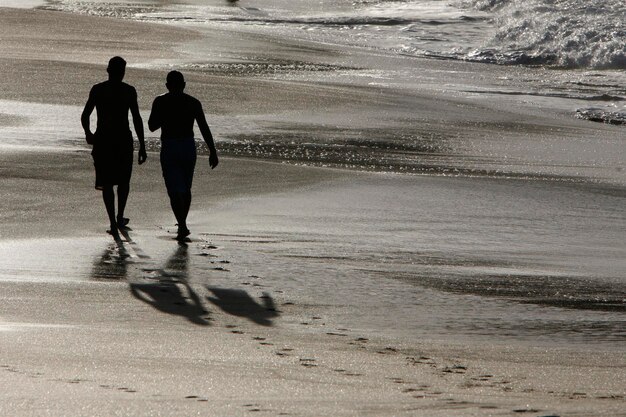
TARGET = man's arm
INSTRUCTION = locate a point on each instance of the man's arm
(84, 118)
(154, 121)
(138, 124)
(207, 136)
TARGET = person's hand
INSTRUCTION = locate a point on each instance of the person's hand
(142, 155)
(213, 159)
(90, 138)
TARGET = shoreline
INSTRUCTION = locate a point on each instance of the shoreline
(297, 119)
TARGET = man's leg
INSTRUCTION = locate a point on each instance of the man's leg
(180, 208)
(122, 197)
(109, 203)
(186, 197)
(177, 203)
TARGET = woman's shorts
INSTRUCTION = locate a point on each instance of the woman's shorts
(178, 161)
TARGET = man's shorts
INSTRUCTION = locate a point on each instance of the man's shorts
(178, 161)
(113, 161)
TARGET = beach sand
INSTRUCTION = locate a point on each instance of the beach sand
(240, 321)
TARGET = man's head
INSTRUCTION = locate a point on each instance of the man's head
(175, 82)
(116, 68)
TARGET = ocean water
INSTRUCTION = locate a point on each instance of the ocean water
(566, 55)
(584, 37)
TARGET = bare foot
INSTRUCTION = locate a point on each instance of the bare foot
(114, 232)
(122, 223)
(183, 232)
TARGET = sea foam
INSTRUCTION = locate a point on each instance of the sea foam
(563, 33)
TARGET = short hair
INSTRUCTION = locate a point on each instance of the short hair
(175, 80)
(117, 63)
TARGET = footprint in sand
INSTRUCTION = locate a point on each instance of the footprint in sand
(422, 360)
(611, 397)
(486, 377)
(306, 362)
(284, 352)
(387, 351)
(9, 368)
(219, 268)
(346, 373)
(234, 327)
(197, 398)
(455, 369)
(398, 380)
(254, 407)
(262, 341)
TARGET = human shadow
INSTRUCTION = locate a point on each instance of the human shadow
(173, 294)
(112, 264)
(240, 303)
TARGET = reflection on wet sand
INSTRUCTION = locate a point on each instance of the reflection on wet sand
(112, 264)
(172, 293)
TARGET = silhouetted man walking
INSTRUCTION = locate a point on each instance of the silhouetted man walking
(175, 113)
(113, 141)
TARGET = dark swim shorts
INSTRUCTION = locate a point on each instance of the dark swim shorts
(178, 161)
(113, 160)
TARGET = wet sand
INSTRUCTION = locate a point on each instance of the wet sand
(214, 328)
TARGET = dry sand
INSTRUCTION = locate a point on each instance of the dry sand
(88, 328)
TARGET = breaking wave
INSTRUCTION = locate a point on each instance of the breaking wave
(562, 33)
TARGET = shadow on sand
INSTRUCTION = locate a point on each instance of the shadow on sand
(239, 303)
(173, 294)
